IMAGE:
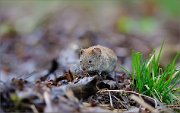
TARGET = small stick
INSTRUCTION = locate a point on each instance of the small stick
(144, 104)
(111, 103)
(33, 107)
(173, 106)
(132, 92)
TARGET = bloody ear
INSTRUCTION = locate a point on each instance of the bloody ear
(81, 51)
(96, 51)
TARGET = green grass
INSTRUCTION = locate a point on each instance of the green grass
(150, 79)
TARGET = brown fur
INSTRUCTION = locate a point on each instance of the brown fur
(98, 58)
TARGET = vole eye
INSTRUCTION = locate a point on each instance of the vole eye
(90, 61)
(80, 61)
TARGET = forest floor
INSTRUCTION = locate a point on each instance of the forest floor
(39, 48)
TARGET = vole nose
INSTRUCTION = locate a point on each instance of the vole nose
(83, 69)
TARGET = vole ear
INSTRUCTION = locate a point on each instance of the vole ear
(81, 51)
(96, 51)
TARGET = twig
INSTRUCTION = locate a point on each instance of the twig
(173, 106)
(132, 92)
(110, 98)
(120, 102)
(144, 104)
(33, 107)
(48, 102)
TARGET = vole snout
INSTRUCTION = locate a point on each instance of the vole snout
(84, 69)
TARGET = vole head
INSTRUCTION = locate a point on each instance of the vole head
(90, 59)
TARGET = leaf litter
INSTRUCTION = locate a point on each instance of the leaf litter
(39, 71)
